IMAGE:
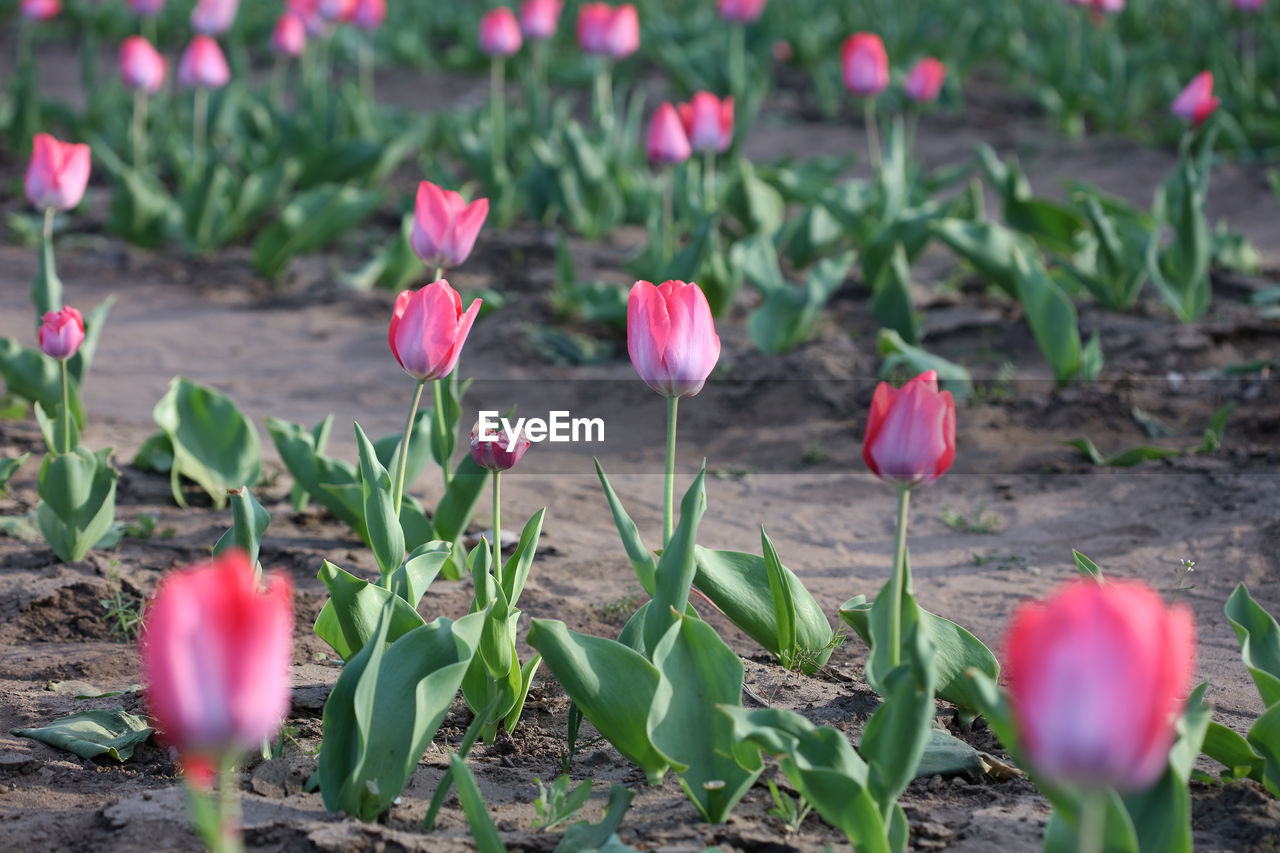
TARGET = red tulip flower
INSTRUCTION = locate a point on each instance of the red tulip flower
(924, 80)
(604, 30)
(57, 174)
(740, 11)
(40, 10)
(1098, 674)
(708, 122)
(671, 337)
(428, 329)
(491, 449)
(61, 333)
(911, 432)
(444, 226)
(1196, 102)
(668, 144)
(539, 18)
(500, 33)
(289, 38)
(865, 64)
(203, 65)
(369, 14)
(214, 17)
(142, 67)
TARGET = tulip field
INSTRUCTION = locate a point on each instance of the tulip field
(676, 425)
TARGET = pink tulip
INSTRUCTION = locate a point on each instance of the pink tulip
(289, 38)
(911, 432)
(308, 11)
(494, 451)
(604, 30)
(1098, 674)
(925, 80)
(57, 174)
(539, 18)
(1196, 102)
(369, 14)
(444, 226)
(1248, 5)
(865, 63)
(214, 17)
(500, 32)
(708, 121)
(1110, 7)
(61, 333)
(336, 11)
(216, 650)
(428, 329)
(40, 10)
(202, 65)
(668, 143)
(740, 11)
(671, 337)
(146, 8)
(141, 65)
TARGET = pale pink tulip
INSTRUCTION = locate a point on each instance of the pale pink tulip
(708, 121)
(911, 432)
(214, 17)
(540, 18)
(57, 173)
(203, 65)
(40, 10)
(142, 67)
(500, 32)
(444, 226)
(61, 333)
(369, 14)
(924, 80)
(668, 143)
(740, 11)
(428, 329)
(289, 37)
(671, 337)
(1196, 102)
(604, 30)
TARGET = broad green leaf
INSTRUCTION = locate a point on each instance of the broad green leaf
(113, 732)
(77, 501)
(891, 298)
(1125, 458)
(249, 522)
(1264, 737)
(987, 246)
(515, 572)
(309, 221)
(1050, 314)
(46, 289)
(455, 508)
(1230, 749)
(78, 365)
(641, 559)
(898, 732)
(386, 536)
(9, 467)
(332, 482)
(350, 616)
(418, 570)
(784, 605)
(61, 434)
(388, 448)
(898, 353)
(33, 376)
(1259, 637)
(213, 443)
(583, 836)
(677, 567)
(483, 832)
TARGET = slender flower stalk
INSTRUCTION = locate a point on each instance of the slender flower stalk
(440, 422)
(898, 589)
(668, 214)
(604, 95)
(66, 408)
(709, 179)
(397, 493)
(1091, 837)
(138, 129)
(200, 123)
(497, 113)
(497, 526)
(873, 131)
(738, 60)
(365, 58)
(669, 499)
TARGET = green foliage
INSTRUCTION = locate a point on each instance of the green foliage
(77, 501)
(213, 444)
(249, 522)
(112, 732)
(556, 804)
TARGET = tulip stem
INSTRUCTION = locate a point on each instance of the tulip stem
(873, 131)
(668, 215)
(1092, 832)
(365, 58)
(276, 87)
(540, 95)
(229, 808)
(497, 112)
(898, 584)
(48, 231)
(709, 179)
(604, 95)
(200, 122)
(497, 526)
(66, 408)
(669, 501)
(402, 464)
(139, 129)
(738, 60)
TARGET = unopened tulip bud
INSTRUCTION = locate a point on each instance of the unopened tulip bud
(58, 173)
(671, 337)
(604, 30)
(61, 333)
(539, 18)
(214, 17)
(444, 226)
(911, 432)
(428, 329)
(865, 64)
(289, 38)
(740, 11)
(142, 68)
(1196, 102)
(369, 14)
(500, 33)
(203, 65)
(924, 81)
(40, 10)
(495, 450)
(708, 122)
(668, 143)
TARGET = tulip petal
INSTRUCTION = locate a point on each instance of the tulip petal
(648, 329)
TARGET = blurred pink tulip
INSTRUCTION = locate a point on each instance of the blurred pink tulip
(865, 64)
(925, 80)
(1109, 7)
(911, 432)
(668, 143)
(40, 10)
(146, 8)
(216, 650)
(203, 65)
(444, 226)
(141, 65)
(741, 11)
(500, 32)
(540, 18)
(308, 11)
(494, 451)
(369, 14)
(708, 122)
(1097, 675)
(214, 17)
(1248, 5)
(428, 329)
(671, 337)
(61, 333)
(58, 173)
(336, 11)
(604, 30)
(289, 38)
(1196, 102)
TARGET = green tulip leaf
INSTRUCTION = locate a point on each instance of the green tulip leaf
(483, 832)
(899, 731)
(1259, 637)
(9, 467)
(309, 221)
(1264, 737)
(641, 559)
(214, 445)
(350, 616)
(33, 376)
(674, 575)
(386, 536)
(112, 732)
(583, 836)
(1232, 750)
(249, 521)
(77, 501)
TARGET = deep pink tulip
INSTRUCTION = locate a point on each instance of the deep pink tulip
(540, 18)
(1248, 5)
(500, 32)
(708, 121)
(741, 11)
(671, 337)
(214, 17)
(289, 38)
(336, 11)
(605, 30)
(1109, 7)
(142, 67)
(40, 10)
(668, 143)
(924, 80)
(308, 11)
(1097, 674)
(203, 65)
(428, 329)
(216, 650)
(494, 451)
(58, 173)
(61, 333)
(369, 14)
(1196, 102)
(146, 8)
(444, 226)
(865, 64)
(911, 432)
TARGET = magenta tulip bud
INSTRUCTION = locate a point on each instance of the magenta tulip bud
(925, 80)
(1196, 102)
(1098, 674)
(865, 64)
(289, 38)
(500, 33)
(369, 14)
(911, 432)
(671, 337)
(444, 226)
(146, 8)
(1248, 5)
(308, 11)
(1109, 7)
(40, 10)
(336, 11)
(494, 450)
(61, 333)
(214, 17)
(708, 122)
(216, 649)
(142, 68)
(668, 143)
(604, 30)
(428, 329)
(740, 11)
(203, 65)
(58, 173)
(540, 18)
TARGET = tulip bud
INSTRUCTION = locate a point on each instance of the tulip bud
(214, 17)
(289, 38)
(308, 11)
(428, 329)
(865, 64)
(1196, 102)
(1248, 5)
(671, 337)
(40, 10)
(146, 8)
(740, 11)
(61, 333)
(499, 32)
(444, 226)
(57, 174)
(202, 65)
(1109, 7)
(911, 432)
(708, 122)
(925, 80)
(607, 31)
(494, 450)
(336, 11)
(668, 143)
(1097, 676)
(369, 14)
(539, 18)
(141, 65)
